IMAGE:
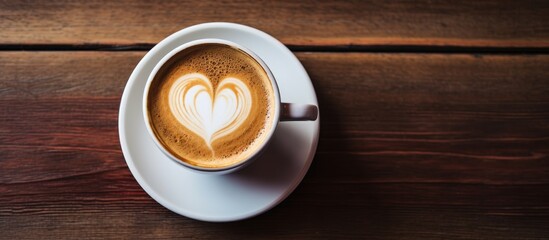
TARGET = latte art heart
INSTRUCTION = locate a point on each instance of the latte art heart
(211, 115)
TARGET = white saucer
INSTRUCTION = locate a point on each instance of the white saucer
(242, 194)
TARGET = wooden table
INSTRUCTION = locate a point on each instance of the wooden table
(435, 118)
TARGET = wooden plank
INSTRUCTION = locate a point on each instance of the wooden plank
(424, 145)
(312, 23)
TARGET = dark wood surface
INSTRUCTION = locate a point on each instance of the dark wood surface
(436, 142)
(308, 23)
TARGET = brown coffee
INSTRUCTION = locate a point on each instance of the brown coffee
(211, 105)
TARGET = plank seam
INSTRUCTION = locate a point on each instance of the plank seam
(425, 49)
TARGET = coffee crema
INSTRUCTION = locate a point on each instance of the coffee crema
(211, 105)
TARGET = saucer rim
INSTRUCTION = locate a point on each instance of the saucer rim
(124, 102)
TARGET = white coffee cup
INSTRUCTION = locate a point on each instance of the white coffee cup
(282, 111)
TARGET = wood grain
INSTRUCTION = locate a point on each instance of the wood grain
(421, 146)
(304, 23)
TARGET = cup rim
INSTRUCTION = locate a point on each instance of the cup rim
(275, 119)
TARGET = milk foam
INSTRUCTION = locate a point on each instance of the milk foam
(211, 106)
(210, 115)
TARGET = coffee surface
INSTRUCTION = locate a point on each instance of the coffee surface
(211, 105)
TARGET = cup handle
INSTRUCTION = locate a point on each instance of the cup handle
(298, 112)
